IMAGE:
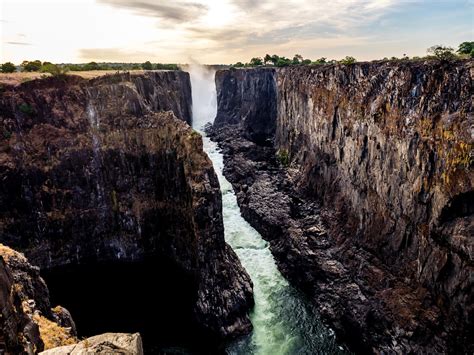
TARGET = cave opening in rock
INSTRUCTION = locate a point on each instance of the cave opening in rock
(153, 297)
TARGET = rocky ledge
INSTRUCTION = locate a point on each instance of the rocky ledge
(362, 182)
(93, 171)
(28, 324)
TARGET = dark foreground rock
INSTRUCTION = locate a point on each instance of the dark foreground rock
(93, 172)
(366, 195)
(27, 322)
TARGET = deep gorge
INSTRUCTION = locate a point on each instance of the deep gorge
(348, 172)
(358, 178)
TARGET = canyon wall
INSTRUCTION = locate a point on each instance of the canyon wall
(247, 96)
(386, 151)
(95, 171)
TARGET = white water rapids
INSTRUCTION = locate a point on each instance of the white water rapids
(284, 322)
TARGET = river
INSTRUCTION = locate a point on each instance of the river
(284, 321)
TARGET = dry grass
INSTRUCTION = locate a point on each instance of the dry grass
(18, 78)
(8, 253)
(52, 334)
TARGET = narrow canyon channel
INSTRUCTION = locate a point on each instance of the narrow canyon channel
(284, 321)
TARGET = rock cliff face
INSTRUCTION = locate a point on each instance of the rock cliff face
(248, 96)
(367, 195)
(27, 322)
(94, 172)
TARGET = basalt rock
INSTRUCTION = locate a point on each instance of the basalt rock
(248, 96)
(27, 322)
(93, 171)
(366, 195)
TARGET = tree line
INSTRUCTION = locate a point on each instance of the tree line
(440, 52)
(59, 69)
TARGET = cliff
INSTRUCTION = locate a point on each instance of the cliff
(27, 322)
(93, 171)
(367, 194)
(247, 96)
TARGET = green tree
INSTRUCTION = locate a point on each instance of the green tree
(31, 66)
(441, 52)
(54, 70)
(283, 62)
(91, 66)
(297, 59)
(306, 62)
(466, 48)
(147, 65)
(321, 60)
(256, 61)
(267, 59)
(348, 60)
(8, 67)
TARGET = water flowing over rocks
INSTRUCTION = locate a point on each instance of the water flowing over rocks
(366, 194)
(102, 170)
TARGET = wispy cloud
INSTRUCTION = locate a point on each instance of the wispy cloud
(175, 11)
(19, 43)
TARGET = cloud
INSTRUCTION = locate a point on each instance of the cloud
(19, 43)
(112, 55)
(178, 11)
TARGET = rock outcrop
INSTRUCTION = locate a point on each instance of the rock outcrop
(248, 97)
(94, 172)
(106, 344)
(27, 322)
(366, 195)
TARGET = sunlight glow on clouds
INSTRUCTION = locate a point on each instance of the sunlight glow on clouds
(224, 31)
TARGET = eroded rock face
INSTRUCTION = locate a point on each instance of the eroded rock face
(374, 213)
(93, 171)
(248, 96)
(108, 343)
(27, 322)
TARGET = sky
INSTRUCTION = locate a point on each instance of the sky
(227, 31)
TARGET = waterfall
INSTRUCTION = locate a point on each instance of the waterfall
(284, 321)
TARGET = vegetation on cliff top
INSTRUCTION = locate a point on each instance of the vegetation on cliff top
(59, 69)
(439, 52)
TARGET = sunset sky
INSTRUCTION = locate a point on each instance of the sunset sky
(227, 31)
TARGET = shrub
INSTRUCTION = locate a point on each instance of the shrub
(283, 157)
(91, 66)
(256, 61)
(26, 109)
(31, 66)
(466, 48)
(8, 67)
(283, 62)
(54, 70)
(441, 52)
(147, 65)
(348, 60)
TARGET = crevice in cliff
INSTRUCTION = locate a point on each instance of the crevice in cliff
(461, 205)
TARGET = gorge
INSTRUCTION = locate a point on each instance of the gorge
(325, 209)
